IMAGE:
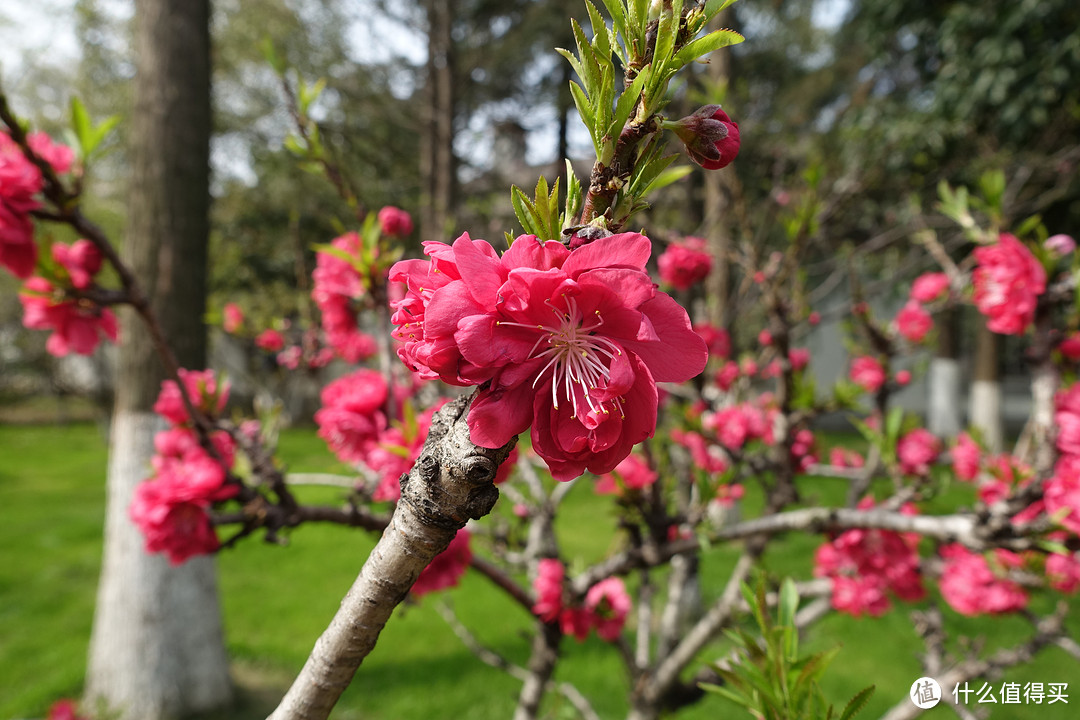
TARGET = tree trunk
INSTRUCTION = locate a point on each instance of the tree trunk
(985, 412)
(717, 199)
(943, 403)
(437, 165)
(157, 649)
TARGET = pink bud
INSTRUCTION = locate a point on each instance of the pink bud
(710, 136)
(395, 221)
(1060, 245)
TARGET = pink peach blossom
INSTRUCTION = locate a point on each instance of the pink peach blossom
(704, 456)
(202, 389)
(633, 473)
(179, 529)
(351, 416)
(1070, 347)
(972, 588)
(717, 339)
(867, 372)
(77, 325)
(234, 318)
(1061, 493)
(1063, 572)
(913, 322)
(966, 456)
(58, 155)
(572, 343)
(929, 287)
(81, 259)
(270, 340)
(684, 264)
(608, 604)
(548, 587)
(447, 568)
(395, 221)
(1060, 245)
(917, 450)
(1008, 281)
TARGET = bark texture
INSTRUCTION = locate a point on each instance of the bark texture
(157, 649)
(451, 482)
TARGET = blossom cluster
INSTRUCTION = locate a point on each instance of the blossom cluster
(866, 565)
(1008, 281)
(171, 508)
(51, 300)
(337, 286)
(684, 264)
(77, 323)
(569, 343)
(20, 184)
(604, 610)
(354, 424)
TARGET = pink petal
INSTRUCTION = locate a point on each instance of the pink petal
(629, 250)
(680, 353)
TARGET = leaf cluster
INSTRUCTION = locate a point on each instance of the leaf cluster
(769, 678)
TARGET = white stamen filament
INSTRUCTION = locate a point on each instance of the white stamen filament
(574, 355)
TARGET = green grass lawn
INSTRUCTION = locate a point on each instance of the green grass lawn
(277, 600)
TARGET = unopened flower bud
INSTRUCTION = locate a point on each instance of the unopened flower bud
(585, 235)
(395, 221)
(710, 136)
(1060, 245)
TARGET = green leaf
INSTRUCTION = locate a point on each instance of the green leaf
(789, 602)
(892, 425)
(526, 212)
(307, 94)
(272, 58)
(857, 703)
(585, 111)
(704, 45)
(872, 436)
(618, 16)
(293, 145)
(80, 123)
(601, 39)
(1028, 225)
(737, 698)
(668, 176)
(714, 6)
(574, 63)
(100, 132)
(589, 71)
(666, 30)
(992, 187)
(627, 102)
(573, 196)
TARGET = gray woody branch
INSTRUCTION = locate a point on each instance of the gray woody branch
(450, 483)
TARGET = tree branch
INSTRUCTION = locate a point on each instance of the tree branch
(450, 483)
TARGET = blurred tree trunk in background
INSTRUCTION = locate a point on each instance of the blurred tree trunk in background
(944, 417)
(716, 225)
(985, 410)
(437, 166)
(157, 649)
